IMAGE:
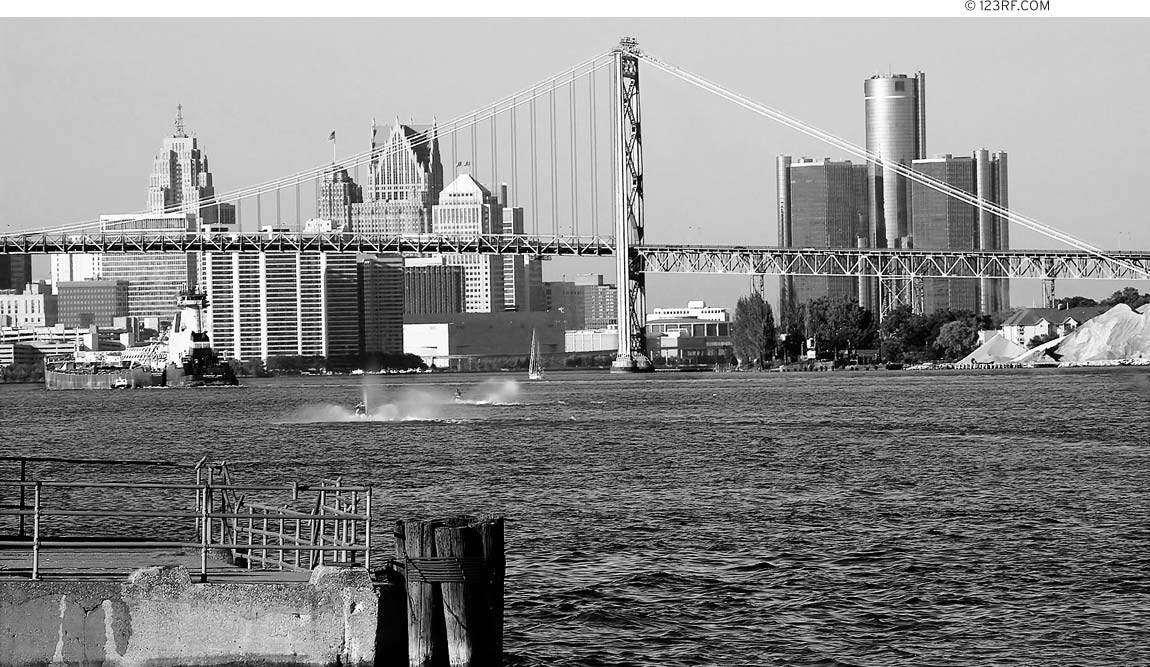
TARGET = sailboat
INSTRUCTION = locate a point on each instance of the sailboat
(535, 365)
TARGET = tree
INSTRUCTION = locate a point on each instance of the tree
(1039, 340)
(1074, 302)
(1127, 295)
(794, 328)
(917, 335)
(841, 325)
(753, 331)
(956, 339)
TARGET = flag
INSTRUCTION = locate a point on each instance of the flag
(332, 137)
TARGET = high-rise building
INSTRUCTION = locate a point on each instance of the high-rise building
(895, 132)
(381, 284)
(587, 302)
(942, 222)
(181, 182)
(431, 287)
(72, 267)
(336, 195)
(466, 208)
(15, 271)
(522, 275)
(154, 279)
(266, 304)
(87, 302)
(822, 204)
(405, 177)
(990, 174)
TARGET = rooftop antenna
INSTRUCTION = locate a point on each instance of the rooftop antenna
(180, 121)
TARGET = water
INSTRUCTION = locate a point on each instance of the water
(869, 518)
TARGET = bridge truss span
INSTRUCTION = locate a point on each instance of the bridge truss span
(890, 263)
(489, 244)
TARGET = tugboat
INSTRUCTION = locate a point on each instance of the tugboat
(191, 360)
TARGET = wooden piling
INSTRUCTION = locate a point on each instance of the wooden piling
(454, 580)
(426, 635)
(491, 530)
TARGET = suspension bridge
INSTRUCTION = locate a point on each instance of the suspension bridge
(561, 116)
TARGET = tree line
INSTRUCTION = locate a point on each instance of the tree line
(841, 328)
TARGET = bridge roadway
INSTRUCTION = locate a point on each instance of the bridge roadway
(766, 260)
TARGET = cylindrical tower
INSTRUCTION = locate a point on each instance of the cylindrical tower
(998, 161)
(987, 232)
(783, 182)
(895, 132)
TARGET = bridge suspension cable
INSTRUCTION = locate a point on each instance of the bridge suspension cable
(469, 120)
(896, 167)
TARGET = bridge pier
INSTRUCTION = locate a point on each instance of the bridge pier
(1048, 296)
(631, 356)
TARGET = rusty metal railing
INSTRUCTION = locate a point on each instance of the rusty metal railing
(217, 511)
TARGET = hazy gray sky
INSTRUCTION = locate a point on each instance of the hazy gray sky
(86, 103)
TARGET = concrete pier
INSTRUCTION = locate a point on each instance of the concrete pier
(158, 616)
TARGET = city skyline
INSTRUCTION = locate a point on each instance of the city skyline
(1010, 98)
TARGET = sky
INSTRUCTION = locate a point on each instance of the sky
(87, 101)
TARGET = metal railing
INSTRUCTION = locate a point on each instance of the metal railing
(221, 516)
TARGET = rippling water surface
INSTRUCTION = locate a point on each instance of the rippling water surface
(874, 518)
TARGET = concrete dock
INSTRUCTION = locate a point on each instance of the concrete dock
(158, 616)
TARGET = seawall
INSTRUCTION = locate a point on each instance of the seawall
(158, 617)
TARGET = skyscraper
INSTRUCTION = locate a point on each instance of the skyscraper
(381, 304)
(942, 222)
(336, 195)
(15, 271)
(404, 179)
(75, 266)
(266, 304)
(522, 275)
(822, 204)
(431, 287)
(154, 279)
(466, 208)
(895, 132)
(587, 302)
(181, 182)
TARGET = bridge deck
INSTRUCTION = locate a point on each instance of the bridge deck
(117, 564)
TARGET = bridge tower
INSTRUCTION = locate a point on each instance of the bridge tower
(628, 210)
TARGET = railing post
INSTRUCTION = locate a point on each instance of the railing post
(23, 478)
(205, 531)
(367, 531)
(322, 502)
(35, 532)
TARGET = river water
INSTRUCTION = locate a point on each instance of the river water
(854, 518)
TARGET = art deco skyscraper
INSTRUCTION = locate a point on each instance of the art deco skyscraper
(336, 195)
(180, 181)
(466, 208)
(405, 177)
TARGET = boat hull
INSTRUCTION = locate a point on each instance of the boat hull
(220, 375)
(130, 378)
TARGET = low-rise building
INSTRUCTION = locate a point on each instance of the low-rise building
(85, 302)
(688, 339)
(591, 340)
(437, 338)
(35, 306)
(1027, 323)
